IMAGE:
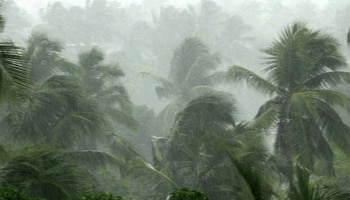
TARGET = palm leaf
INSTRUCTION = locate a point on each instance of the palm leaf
(267, 115)
(94, 158)
(328, 79)
(156, 183)
(13, 73)
(335, 130)
(237, 74)
(166, 89)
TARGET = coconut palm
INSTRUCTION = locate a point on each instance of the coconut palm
(102, 82)
(58, 113)
(207, 150)
(192, 70)
(14, 77)
(42, 56)
(44, 173)
(304, 188)
(302, 66)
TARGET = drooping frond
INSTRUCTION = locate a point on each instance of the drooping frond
(304, 188)
(327, 79)
(255, 178)
(237, 74)
(90, 59)
(61, 111)
(124, 118)
(267, 115)
(209, 112)
(111, 71)
(123, 149)
(184, 57)
(144, 174)
(334, 128)
(13, 73)
(166, 89)
(303, 103)
(94, 158)
(198, 72)
(44, 173)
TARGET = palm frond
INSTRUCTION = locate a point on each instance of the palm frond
(328, 79)
(44, 173)
(111, 71)
(155, 183)
(267, 115)
(237, 74)
(94, 158)
(198, 72)
(333, 126)
(255, 178)
(166, 89)
(184, 57)
(124, 118)
(122, 148)
(214, 112)
(14, 76)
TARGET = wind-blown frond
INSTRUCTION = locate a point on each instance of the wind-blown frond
(14, 75)
(209, 111)
(184, 57)
(110, 71)
(304, 188)
(328, 79)
(94, 158)
(255, 178)
(122, 148)
(237, 74)
(141, 172)
(44, 173)
(333, 126)
(166, 89)
(124, 118)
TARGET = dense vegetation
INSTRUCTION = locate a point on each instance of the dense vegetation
(69, 128)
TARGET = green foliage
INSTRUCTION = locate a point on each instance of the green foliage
(44, 173)
(209, 151)
(186, 194)
(304, 188)
(98, 196)
(301, 67)
(10, 193)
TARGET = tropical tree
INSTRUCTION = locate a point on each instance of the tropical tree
(44, 173)
(191, 72)
(102, 82)
(302, 65)
(305, 188)
(57, 113)
(208, 151)
(13, 73)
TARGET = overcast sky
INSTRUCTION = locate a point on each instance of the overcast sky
(34, 5)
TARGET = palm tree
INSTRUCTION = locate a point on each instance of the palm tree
(302, 66)
(102, 83)
(208, 151)
(57, 113)
(304, 188)
(191, 72)
(14, 79)
(44, 173)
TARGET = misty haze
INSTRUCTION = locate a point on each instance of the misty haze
(174, 100)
